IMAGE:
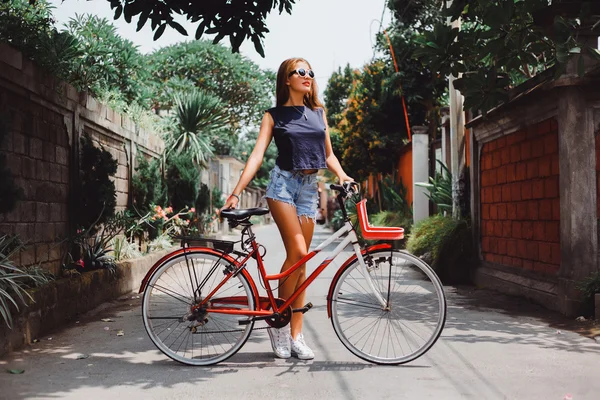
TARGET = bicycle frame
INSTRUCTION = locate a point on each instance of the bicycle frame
(351, 237)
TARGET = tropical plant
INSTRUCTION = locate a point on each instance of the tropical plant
(236, 20)
(440, 188)
(162, 242)
(394, 196)
(198, 117)
(14, 280)
(123, 249)
(96, 194)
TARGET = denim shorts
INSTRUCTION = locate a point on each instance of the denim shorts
(295, 188)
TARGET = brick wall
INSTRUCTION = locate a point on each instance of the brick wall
(520, 207)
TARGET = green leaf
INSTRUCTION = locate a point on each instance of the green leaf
(178, 27)
(575, 50)
(159, 31)
(142, 20)
(118, 11)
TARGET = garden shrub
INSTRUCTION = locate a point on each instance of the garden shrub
(183, 178)
(444, 243)
(97, 197)
(147, 184)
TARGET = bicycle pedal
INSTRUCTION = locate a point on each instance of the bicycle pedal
(304, 309)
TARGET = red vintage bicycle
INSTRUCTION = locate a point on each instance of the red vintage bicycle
(200, 302)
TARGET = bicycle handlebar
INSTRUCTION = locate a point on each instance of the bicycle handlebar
(346, 189)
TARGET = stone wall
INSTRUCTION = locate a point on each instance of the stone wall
(46, 119)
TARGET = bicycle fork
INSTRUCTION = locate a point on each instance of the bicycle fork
(365, 270)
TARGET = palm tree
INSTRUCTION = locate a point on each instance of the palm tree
(198, 116)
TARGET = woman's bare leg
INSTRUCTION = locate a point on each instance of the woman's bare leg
(296, 238)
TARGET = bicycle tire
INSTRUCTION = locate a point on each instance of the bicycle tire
(352, 302)
(167, 303)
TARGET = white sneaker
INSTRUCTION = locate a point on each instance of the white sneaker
(300, 349)
(280, 341)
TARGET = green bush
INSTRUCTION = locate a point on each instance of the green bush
(203, 199)
(183, 179)
(147, 184)
(97, 197)
(445, 244)
(590, 286)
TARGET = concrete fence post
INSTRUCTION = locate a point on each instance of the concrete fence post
(420, 166)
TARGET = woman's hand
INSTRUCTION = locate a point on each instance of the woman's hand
(231, 202)
(344, 178)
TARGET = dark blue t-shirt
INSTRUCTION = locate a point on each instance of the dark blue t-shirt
(300, 140)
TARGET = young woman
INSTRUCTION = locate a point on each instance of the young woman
(299, 126)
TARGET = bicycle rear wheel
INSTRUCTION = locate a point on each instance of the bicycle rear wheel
(196, 337)
(407, 327)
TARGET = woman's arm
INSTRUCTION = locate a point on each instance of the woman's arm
(333, 164)
(254, 161)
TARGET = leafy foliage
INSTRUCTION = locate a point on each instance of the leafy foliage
(338, 92)
(29, 27)
(440, 189)
(445, 243)
(244, 89)
(183, 178)
(106, 61)
(147, 184)
(198, 117)
(238, 21)
(96, 194)
(15, 280)
(502, 43)
(590, 286)
(372, 130)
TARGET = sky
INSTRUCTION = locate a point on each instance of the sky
(327, 33)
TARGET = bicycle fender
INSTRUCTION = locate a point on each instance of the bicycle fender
(377, 247)
(197, 249)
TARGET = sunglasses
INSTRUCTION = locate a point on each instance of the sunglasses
(303, 72)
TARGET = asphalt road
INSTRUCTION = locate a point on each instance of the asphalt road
(490, 349)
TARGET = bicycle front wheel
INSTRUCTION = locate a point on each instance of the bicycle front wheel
(407, 326)
(185, 332)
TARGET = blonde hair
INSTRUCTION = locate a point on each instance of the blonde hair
(282, 91)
